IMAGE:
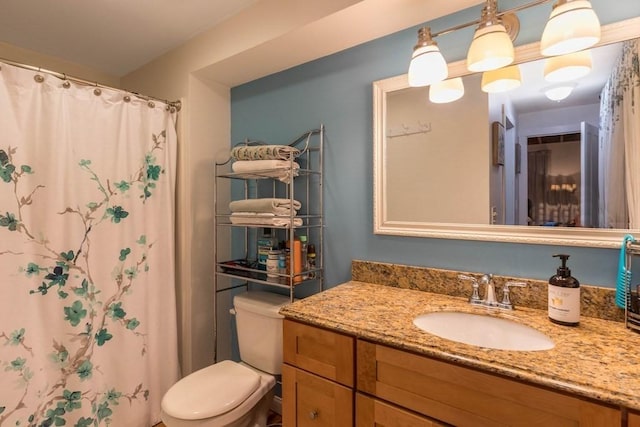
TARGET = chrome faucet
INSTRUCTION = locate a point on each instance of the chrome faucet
(490, 292)
(506, 300)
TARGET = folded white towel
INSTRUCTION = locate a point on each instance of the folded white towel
(282, 170)
(266, 205)
(262, 219)
(264, 152)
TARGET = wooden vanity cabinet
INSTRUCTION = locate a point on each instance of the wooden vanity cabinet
(371, 412)
(318, 377)
(466, 397)
(323, 368)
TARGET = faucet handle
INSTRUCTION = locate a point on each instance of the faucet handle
(475, 293)
(506, 300)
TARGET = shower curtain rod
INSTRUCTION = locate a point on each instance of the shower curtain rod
(175, 104)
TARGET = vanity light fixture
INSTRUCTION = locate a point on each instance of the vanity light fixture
(560, 92)
(491, 47)
(501, 80)
(446, 91)
(568, 67)
(427, 63)
(572, 26)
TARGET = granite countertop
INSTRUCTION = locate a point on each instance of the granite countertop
(599, 359)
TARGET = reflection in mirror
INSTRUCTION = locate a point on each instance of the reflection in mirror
(514, 165)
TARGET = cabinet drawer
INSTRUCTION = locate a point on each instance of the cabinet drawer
(375, 413)
(323, 352)
(311, 401)
(463, 396)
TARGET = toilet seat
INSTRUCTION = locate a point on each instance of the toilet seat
(211, 391)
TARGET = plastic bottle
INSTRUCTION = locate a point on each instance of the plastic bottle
(296, 256)
(294, 259)
(311, 259)
(564, 296)
(265, 243)
(272, 264)
(303, 255)
(282, 263)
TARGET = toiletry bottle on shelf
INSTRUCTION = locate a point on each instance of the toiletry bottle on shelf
(296, 260)
(272, 264)
(311, 259)
(564, 296)
(282, 264)
(303, 254)
(265, 243)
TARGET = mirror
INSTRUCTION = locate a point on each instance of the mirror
(470, 169)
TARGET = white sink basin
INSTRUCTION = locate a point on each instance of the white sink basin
(483, 331)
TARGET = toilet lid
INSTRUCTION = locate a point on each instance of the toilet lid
(211, 391)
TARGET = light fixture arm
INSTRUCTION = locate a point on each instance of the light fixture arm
(498, 14)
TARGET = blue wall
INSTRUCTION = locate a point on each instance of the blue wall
(336, 91)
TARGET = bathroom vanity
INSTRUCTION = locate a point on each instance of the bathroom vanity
(353, 357)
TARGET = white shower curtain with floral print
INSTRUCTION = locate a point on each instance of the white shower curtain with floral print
(88, 332)
(620, 142)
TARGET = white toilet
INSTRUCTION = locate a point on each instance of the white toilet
(228, 393)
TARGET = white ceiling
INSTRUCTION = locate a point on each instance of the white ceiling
(119, 36)
(113, 36)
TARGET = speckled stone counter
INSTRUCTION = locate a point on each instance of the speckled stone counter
(595, 301)
(599, 359)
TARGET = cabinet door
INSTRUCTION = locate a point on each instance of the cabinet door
(311, 401)
(634, 419)
(375, 413)
(326, 353)
(468, 397)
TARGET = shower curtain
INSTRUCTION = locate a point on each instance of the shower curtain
(87, 302)
(620, 142)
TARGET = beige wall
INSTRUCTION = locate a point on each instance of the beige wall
(29, 57)
(451, 152)
(186, 74)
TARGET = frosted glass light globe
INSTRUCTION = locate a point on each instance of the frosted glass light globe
(572, 26)
(568, 67)
(427, 66)
(446, 91)
(501, 80)
(490, 49)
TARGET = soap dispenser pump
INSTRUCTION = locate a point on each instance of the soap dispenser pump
(564, 296)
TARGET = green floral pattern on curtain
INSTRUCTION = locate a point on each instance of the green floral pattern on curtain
(80, 250)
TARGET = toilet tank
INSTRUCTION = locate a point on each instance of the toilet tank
(259, 329)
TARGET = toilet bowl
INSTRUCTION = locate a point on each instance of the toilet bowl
(228, 393)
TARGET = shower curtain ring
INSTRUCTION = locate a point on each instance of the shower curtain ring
(65, 84)
(97, 91)
(38, 78)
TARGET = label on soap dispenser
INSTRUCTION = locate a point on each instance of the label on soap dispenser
(564, 304)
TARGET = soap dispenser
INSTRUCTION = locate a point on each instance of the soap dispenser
(564, 296)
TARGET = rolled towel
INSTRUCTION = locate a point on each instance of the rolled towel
(282, 170)
(264, 152)
(262, 219)
(265, 205)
